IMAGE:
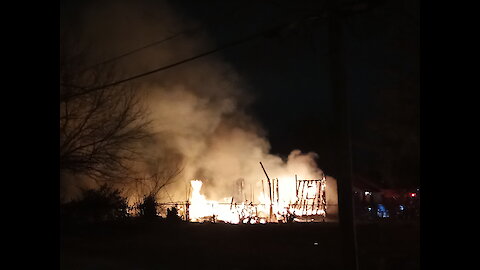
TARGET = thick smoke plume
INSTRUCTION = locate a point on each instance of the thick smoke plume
(198, 109)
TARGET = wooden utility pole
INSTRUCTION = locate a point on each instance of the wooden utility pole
(270, 192)
(343, 164)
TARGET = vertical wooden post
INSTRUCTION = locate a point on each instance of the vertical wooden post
(296, 186)
(273, 190)
(343, 143)
(270, 191)
(278, 194)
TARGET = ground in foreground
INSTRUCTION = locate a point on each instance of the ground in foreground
(159, 245)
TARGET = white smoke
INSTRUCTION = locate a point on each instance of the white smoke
(198, 108)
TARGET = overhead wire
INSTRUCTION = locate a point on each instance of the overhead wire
(209, 52)
(161, 41)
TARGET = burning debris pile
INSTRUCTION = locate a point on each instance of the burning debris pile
(280, 204)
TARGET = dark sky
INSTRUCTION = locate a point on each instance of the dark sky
(288, 73)
(290, 77)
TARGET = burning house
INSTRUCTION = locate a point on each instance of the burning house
(276, 200)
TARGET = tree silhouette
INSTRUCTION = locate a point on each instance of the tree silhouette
(99, 130)
(95, 205)
(148, 188)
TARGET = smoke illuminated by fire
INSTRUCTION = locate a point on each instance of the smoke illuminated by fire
(199, 119)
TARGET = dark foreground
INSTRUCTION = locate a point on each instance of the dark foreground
(155, 245)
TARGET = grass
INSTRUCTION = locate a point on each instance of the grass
(159, 245)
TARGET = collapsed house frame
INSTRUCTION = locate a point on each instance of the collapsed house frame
(310, 203)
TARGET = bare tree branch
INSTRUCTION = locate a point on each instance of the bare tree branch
(99, 131)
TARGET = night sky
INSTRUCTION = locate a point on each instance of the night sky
(287, 71)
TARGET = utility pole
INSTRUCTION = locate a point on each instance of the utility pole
(343, 162)
(270, 192)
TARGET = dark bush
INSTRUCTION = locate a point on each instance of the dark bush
(148, 208)
(96, 205)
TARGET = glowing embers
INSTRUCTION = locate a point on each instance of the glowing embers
(201, 209)
(307, 200)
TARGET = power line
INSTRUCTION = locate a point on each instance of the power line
(86, 90)
(113, 59)
(133, 51)
(266, 32)
(225, 46)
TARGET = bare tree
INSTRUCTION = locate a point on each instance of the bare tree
(145, 190)
(99, 130)
(162, 174)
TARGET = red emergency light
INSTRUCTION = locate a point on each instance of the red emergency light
(413, 195)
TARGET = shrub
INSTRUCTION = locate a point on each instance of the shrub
(96, 205)
(148, 208)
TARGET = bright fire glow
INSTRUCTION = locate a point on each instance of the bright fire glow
(286, 204)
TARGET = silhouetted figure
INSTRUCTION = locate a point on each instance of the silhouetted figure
(172, 214)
